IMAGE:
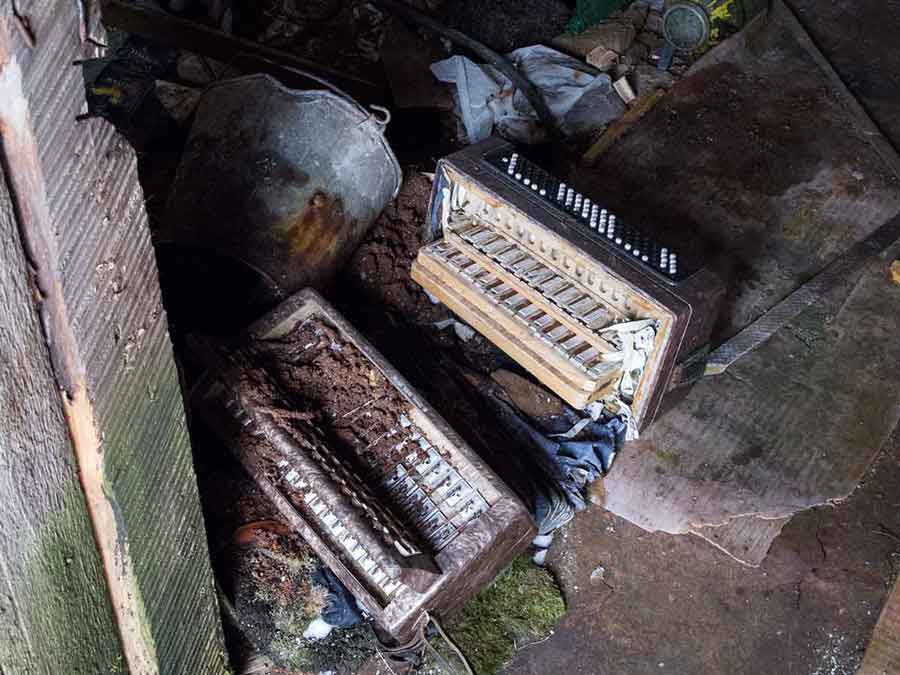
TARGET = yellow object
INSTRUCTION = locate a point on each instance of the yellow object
(114, 94)
(724, 17)
(895, 272)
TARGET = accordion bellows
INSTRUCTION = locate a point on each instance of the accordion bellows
(560, 283)
(394, 502)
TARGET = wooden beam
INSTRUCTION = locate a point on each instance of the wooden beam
(245, 55)
(883, 653)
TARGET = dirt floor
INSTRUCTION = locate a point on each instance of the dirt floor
(642, 602)
(853, 35)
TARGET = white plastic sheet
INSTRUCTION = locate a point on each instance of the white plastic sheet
(580, 99)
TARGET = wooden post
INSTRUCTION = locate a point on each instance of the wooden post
(103, 558)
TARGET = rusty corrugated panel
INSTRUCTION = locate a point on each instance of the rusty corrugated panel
(105, 265)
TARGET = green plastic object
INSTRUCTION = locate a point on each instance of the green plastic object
(590, 12)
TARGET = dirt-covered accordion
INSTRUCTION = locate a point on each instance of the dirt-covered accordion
(595, 308)
(418, 529)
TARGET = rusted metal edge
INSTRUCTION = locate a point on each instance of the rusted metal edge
(758, 332)
(244, 54)
(21, 165)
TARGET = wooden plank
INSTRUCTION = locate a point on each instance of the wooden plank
(618, 128)
(574, 386)
(50, 613)
(750, 535)
(861, 120)
(883, 653)
(79, 209)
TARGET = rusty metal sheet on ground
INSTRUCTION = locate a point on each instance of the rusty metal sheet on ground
(756, 150)
(883, 653)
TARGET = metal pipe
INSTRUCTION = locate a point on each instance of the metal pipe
(499, 61)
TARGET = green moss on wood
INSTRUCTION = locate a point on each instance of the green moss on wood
(66, 614)
(149, 469)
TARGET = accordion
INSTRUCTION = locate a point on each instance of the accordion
(597, 309)
(397, 505)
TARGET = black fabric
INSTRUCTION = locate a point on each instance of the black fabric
(341, 610)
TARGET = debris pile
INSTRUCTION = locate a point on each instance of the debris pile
(630, 44)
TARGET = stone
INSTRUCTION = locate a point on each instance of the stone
(532, 399)
(198, 70)
(602, 58)
(650, 40)
(636, 53)
(636, 15)
(654, 23)
(648, 78)
(179, 101)
(895, 272)
(613, 35)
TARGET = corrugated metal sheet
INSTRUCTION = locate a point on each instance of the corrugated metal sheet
(111, 292)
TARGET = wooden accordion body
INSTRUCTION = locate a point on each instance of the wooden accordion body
(554, 279)
(419, 531)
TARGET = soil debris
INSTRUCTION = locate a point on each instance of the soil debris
(339, 391)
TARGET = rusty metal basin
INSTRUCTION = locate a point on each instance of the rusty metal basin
(285, 181)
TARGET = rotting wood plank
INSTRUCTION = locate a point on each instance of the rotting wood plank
(49, 612)
(140, 598)
(883, 653)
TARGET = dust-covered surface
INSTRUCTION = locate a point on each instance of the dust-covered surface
(267, 574)
(657, 598)
(513, 24)
(857, 38)
(755, 150)
(674, 604)
(330, 388)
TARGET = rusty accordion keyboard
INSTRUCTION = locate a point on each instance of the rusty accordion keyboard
(397, 505)
(594, 307)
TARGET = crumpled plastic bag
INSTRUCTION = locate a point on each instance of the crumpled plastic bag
(579, 98)
(636, 339)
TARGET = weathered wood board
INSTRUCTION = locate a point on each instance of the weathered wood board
(103, 555)
(883, 653)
